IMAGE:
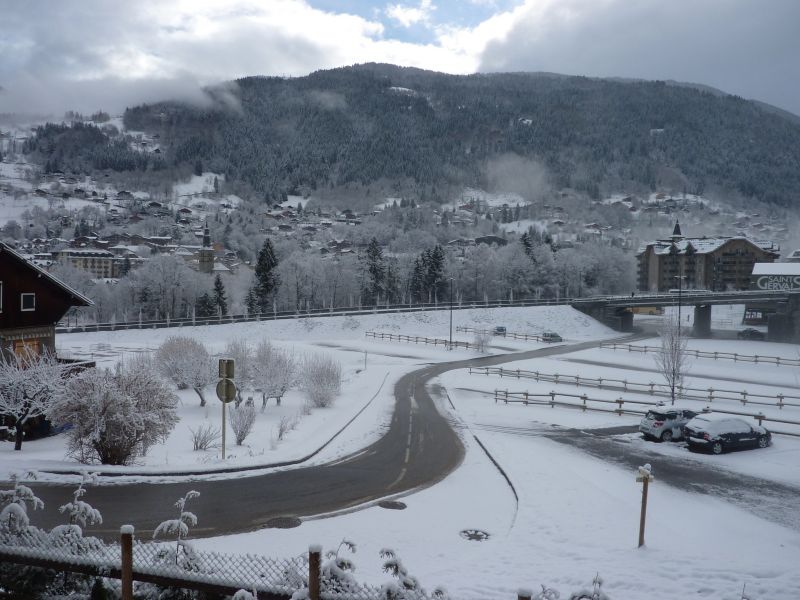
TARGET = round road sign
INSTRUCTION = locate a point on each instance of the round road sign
(226, 390)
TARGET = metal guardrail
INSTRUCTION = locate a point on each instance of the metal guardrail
(652, 389)
(296, 314)
(418, 339)
(734, 356)
(551, 399)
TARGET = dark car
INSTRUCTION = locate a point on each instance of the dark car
(551, 337)
(718, 433)
(750, 334)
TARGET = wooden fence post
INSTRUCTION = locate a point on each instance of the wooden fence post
(314, 559)
(524, 594)
(126, 566)
(780, 401)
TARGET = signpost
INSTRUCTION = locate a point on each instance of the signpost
(644, 477)
(226, 391)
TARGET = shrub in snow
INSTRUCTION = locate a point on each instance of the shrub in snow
(116, 416)
(242, 355)
(546, 594)
(187, 364)
(182, 554)
(80, 513)
(205, 436)
(286, 425)
(596, 593)
(29, 384)
(14, 505)
(336, 572)
(274, 372)
(406, 586)
(322, 379)
(242, 418)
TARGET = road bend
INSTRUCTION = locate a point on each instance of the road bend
(419, 448)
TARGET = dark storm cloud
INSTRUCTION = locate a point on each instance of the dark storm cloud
(744, 47)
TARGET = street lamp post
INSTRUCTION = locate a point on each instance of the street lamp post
(680, 279)
(450, 346)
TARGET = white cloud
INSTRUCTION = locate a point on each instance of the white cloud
(408, 15)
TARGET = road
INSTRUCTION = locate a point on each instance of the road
(418, 449)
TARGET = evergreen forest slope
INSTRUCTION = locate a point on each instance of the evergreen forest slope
(420, 132)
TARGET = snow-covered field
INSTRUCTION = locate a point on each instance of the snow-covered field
(575, 516)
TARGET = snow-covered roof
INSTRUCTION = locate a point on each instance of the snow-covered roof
(704, 245)
(779, 268)
(55, 280)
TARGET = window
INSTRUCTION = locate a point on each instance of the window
(27, 302)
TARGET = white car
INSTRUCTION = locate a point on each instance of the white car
(665, 423)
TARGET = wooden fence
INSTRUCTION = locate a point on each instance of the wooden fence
(508, 334)
(418, 339)
(581, 401)
(653, 389)
(734, 356)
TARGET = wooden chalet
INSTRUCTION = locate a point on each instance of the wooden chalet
(31, 303)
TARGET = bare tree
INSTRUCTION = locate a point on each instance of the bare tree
(322, 379)
(115, 416)
(29, 383)
(205, 436)
(186, 363)
(242, 355)
(242, 418)
(274, 372)
(672, 358)
(481, 341)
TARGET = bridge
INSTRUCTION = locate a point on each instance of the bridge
(782, 326)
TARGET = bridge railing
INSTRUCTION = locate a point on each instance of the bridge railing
(734, 356)
(303, 313)
(742, 397)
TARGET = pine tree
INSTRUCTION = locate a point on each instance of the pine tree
(417, 284)
(220, 302)
(216, 185)
(205, 306)
(374, 284)
(267, 280)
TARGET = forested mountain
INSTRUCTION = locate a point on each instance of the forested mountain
(421, 131)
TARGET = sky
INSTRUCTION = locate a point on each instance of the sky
(105, 54)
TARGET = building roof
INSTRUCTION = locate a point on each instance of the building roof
(778, 268)
(703, 245)
(80, 299)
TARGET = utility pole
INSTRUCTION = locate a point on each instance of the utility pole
(450, 346)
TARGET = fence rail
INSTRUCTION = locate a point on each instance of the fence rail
(301, 313)
(734, 356)
(508, 334)
(652, 389)
(552, 399)
(418, 339)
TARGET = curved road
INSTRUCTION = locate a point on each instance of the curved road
(419, 448)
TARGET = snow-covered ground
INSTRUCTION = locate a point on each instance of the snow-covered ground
(575, 516)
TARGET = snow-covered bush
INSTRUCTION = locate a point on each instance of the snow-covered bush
(274, 372)
(242, 418)
(205, 436)
(14, 505)
(322, 379)
(116, 416)
(81, 514)
(336, 572)
(187, 364)
(29, 384)
(179, 528)
(285, 425)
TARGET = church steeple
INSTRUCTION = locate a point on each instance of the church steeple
(206, 237)
(205, 258)
(676, 232)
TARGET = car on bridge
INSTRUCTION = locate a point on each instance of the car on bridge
(665, 423)
(751, 334)
(718, 433)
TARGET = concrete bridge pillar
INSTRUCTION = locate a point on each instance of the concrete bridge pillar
(702, 321)
(784, 326)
